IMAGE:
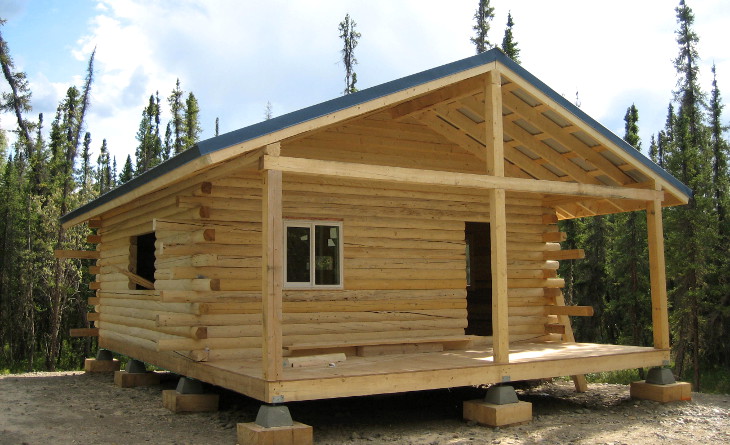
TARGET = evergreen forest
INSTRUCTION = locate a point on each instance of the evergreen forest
(48, 170)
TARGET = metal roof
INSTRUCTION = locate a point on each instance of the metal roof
(282, 122)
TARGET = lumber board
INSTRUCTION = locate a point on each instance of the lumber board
(463, 339)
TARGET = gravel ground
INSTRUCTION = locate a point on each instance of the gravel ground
(73, 407)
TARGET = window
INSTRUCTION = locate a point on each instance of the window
(142, 258)
(313, 243)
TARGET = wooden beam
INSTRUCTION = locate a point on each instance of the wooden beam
(272, 274)
(84, 332)
(573, 311)
(80, 254)
(573, 254)
(579, 380)
(494, 139)
(136, 279)
(554, 237)
(430, 100)
(462, 180)
(657, 271)
(554, 328)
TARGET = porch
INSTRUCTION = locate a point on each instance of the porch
(421, 371)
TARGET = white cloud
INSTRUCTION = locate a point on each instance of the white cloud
(235, 56)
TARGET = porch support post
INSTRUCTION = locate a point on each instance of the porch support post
(272, 270)
(657, 270)
(497, 215)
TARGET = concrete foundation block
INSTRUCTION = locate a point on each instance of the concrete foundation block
(661, 393)
(124, 379)
(94, 365)
(252, 434)
(497, 415)
(189, 403)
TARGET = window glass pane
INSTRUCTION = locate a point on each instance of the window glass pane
(297, 254)
(327, 255)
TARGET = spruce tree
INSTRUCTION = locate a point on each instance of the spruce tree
(127, 172)
(177, 120)
(104, 181)
(17, 100)
(149, 150)
(350, 38)
(217, 129)
(509, 46)
(628, 264)
(483, 15)
(691, 229)
(192, 122)
(268, 111)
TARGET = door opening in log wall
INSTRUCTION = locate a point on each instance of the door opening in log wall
(478, 278)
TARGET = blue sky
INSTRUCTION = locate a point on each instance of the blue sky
(237, 55)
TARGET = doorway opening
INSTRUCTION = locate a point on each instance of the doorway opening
(478, 278)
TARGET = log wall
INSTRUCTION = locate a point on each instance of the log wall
(404, 253)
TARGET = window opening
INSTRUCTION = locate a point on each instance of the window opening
(313, 256)
(142, 259)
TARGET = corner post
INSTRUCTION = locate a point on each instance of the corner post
(657, 271)
(272, 269)
(497, 215)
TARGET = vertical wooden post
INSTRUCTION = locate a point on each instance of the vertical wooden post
(272, 274)
(657, 270)
(497, 215)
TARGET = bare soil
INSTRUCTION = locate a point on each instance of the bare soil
(73, 407)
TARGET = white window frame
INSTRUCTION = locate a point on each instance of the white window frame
(311, 225)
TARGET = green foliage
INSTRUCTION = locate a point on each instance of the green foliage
(483, 15)
(192, 122)
(509, 45)
(622, 377)
(350, 38)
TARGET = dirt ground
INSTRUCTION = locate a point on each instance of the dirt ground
(73, 407)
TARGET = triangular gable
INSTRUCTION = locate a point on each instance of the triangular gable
(403, 94)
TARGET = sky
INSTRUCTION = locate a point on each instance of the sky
(238, 55)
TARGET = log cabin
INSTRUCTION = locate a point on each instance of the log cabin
(400, 238)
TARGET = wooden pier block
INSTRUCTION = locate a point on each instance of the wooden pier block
(253, 434)
(497, 415)
(661, 393)
(124, 379)
(94, 365)
(189, 403)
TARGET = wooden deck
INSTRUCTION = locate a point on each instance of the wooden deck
(406, 372)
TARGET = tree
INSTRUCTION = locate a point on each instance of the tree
(149, 150)
(192, 122)
(509, 46)
(104, 178)
(350, 38)
(217, 129)
(628, 260)
(177, 120)
(483, 15)
(18, 99)
(268, 111)
(691, 228)
(127, 171)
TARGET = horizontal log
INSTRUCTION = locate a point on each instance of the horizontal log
(79, 254)
(575, 311)
(574, 254)
(554, 237)
(94, 223)
(84, 332)
(212, 355)
(461, 339)
(93, 239)
(554, 328)
(92, 316)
